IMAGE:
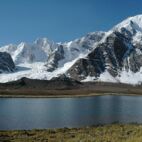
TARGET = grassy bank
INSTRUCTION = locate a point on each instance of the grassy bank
(106, 133)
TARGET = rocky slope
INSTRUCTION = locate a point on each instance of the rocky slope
(113, 56)
(119, 54)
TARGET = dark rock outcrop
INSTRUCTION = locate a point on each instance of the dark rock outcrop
(54, 58)
(6, 62)
(67, 52)
(116, 53)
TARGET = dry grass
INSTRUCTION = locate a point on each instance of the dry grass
(106, 133)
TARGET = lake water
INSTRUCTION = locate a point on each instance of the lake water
(25, 113)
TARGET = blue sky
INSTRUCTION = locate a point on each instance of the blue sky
(60, 20)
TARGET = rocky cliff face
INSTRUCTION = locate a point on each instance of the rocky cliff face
(67, 52)
(109, 55)
(54, 58)
(6, 62)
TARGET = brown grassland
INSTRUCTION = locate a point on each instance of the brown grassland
(104, 133)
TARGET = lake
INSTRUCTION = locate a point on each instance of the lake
(40, 113)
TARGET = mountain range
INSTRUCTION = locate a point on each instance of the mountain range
(112, 56)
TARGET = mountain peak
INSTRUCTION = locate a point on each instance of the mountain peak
(131, 23)
(42, 41)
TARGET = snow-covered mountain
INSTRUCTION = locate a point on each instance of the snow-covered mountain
(30, 53)
(113, 56)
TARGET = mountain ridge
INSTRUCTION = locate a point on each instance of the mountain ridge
(113, 56)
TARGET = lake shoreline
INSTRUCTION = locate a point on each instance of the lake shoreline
(67, 96)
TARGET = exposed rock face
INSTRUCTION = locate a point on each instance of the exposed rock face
(6, 62)
(54, 58)
(67, 52)
(113, 55)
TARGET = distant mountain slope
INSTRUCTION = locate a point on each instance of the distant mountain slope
(113, 56)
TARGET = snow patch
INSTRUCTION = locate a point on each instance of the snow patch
(107, 77)
(130, 77)
(89, 78)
